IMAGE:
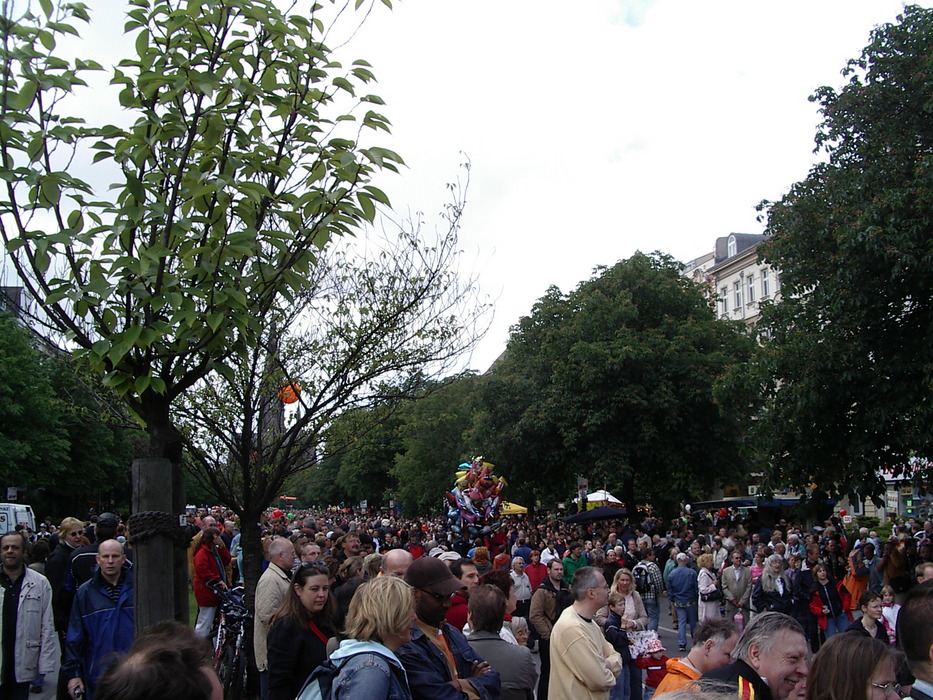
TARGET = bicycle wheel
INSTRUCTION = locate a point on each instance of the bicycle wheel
(226, 670)
(236, 688)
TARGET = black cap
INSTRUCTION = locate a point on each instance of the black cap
(108, 519)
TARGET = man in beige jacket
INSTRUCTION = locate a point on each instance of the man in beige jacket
(583, 664)
(273, 586)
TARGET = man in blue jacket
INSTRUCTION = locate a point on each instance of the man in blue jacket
(438, 660)
(683, 591)
(101, 620)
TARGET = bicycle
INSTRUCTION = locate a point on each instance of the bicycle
(230, 660)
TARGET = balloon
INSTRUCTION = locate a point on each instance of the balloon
(843, 512)
(276, 513)
(289, 393)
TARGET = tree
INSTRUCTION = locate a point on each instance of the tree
(246, 154)
(61, 440)
(843, 387)
(435, 435)
(371, 328)
(615, 381)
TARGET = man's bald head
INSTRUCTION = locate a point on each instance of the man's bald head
(396, 563)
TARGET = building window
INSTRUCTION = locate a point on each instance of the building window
(737, 289)
(724, 300)
(732, 248)
(751, 289)
(765, 283)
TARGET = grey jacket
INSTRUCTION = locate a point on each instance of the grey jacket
(514, 663)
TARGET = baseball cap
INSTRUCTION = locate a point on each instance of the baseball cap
(108, 519)
(432, 575)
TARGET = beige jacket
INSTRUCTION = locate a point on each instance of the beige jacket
(270, 592)
(584, 665)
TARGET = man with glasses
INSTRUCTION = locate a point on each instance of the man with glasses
(438, 660)
(271, 590)
(583, 663)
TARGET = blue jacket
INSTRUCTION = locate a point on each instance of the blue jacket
(372, 672)
(428, 673)
(97, 628)
(682, 586)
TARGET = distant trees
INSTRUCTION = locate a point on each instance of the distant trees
(614, 381)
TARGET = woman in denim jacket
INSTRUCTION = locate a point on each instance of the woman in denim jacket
(379, 622)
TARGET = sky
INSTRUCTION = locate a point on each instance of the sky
(598, 128)
(593, 128)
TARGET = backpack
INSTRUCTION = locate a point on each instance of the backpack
(320, 684)
(642, 579)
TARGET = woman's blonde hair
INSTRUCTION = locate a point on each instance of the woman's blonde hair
(705, 561)
(69, 524)
(379, 609)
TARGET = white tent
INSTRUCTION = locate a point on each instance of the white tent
(600, 496)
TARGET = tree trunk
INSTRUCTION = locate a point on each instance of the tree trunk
(153, 581)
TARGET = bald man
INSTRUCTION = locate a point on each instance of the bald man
(270, 592)
(396, 563)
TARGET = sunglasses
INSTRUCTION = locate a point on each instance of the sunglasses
(437, 596)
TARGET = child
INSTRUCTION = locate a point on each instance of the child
(655, 664)
(616, 635)
(890, 611)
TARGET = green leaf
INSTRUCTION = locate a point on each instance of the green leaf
(46, 6)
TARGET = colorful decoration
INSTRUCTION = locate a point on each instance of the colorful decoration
(289, 393)
(474, 502)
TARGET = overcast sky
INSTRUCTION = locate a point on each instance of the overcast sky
(595, 128)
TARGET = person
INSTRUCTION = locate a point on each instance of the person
(481, 560)
(299, 631)
(773, 592)
(651, 597)
(521, 584)
(915, 636)
(684, 594)
(583, 664)
(514, 662)
(310, 551)
(870, 624)
(439, 661)
(616, 629)
(547, 603)
(654, 663)
(271, 590)
(466, 572)
(890, 609)
(851, 667)
(770, 658)
(737, 588)
(396, 563)
(84, 558)
(102, 620)
(168, 660)
(713, 642)
(857, 580)
(707, 585)
(635, 617)
(70, 537)
(348, 546)
(378, 623)
(923, 571)
(829, 602)
(210, 569)
(536, 571)
(28, 639)
(573, 560)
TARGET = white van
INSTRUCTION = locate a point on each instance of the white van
(12, 514)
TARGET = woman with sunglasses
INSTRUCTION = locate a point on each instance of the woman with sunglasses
(853, 667)
(379, 622)
(300, 628)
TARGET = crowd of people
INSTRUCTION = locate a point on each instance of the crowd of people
(405, 608)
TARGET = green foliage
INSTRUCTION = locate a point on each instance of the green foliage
(614, 381)
(844, 385)
(59, 438)
(245, 155)
(435, 439)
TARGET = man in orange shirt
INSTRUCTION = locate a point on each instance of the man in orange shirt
(713, 641)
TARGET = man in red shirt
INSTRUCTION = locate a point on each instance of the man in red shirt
(465, 571)
(536, 571)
